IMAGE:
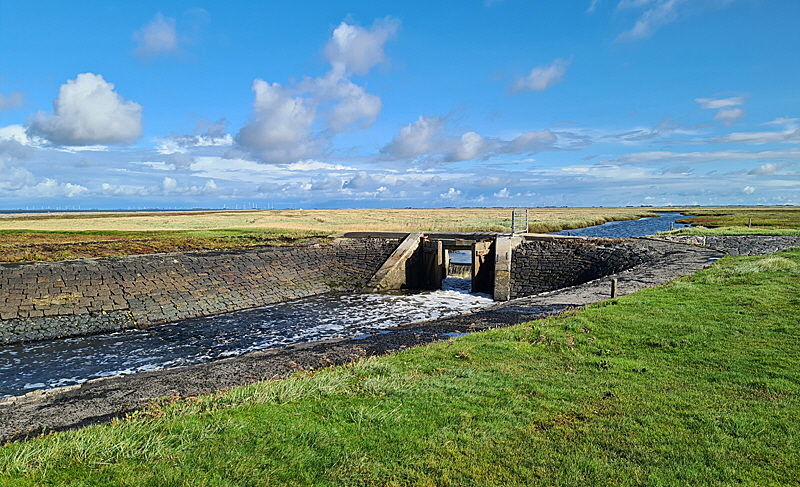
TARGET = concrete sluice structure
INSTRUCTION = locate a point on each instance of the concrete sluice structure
(505, 266)
(46, 300)
(537, 263)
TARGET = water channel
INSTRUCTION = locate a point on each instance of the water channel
(54, 363)
(630, 228)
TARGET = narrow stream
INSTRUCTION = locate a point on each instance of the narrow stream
(631, 228)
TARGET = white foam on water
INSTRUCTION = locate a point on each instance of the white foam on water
(57, 363)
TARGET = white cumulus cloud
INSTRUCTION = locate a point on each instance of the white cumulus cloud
(451, 194)
(88, 111)
(284, 125)
(279, 131)
(414, 139)
(345, 104)
(748, 190)
(357, 49)
(771, 168)
(470, 146)
(168, 185)
(428, 139)
(157, 38)
(542, 77)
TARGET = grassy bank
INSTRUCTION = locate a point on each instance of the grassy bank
(727, 231)
(32, 245)
(759, 220)
(693, 383)
(69, 236)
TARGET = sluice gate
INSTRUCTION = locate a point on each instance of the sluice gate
(422, 261)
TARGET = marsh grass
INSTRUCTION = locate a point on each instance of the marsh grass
(729, 231)
(334, 221)
(32, 245)
(693, 383)
(761, 219)
(73, 236)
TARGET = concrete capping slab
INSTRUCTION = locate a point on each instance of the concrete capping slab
(504, 248)
(390, 235)
(549, 237)
(392, 274)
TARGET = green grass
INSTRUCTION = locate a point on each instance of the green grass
(725, 231)
(41, 245)
(762, 218)
(692, 383)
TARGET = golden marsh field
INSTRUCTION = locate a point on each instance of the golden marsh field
(61, 236)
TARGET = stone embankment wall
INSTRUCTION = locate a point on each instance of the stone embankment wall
(540, 266)
(740, 244)
(55, 299)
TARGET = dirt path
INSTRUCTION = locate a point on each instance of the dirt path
(104, 399)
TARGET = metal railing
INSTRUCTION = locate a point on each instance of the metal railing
(519, 220)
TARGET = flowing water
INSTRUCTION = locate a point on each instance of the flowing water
(631, 228)
(54, 363)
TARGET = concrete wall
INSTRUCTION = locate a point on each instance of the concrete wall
(48, 300)
(546, 265)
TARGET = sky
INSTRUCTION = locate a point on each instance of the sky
(348, 104)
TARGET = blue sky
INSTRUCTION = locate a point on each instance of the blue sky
(393, 104)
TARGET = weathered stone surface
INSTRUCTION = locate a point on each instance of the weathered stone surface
(740, 244)
(138, 291)
(545, 265)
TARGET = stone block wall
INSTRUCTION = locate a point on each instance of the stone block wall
(56, 299)
(540, 266)
(740, 244)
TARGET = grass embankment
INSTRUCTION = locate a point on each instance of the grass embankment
(60, 237)
(31, 245)
(693, 383)
(741, 221)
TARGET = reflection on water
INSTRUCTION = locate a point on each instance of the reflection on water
(633, 228)
(54, 363)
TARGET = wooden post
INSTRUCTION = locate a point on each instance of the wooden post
(749, 222)
(613, 288)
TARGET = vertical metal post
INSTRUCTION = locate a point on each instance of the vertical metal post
(527, 222)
